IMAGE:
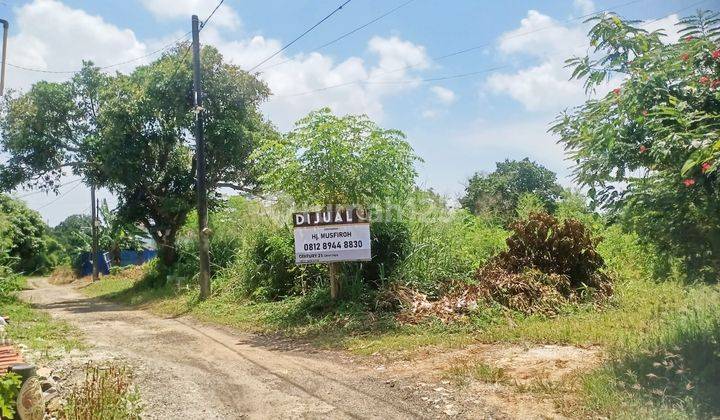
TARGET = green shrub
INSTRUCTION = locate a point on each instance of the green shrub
(9, 389)
(9, 283)
(24, 237)
(390, 244)
(266, 269)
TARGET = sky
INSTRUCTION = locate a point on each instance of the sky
(469, 82)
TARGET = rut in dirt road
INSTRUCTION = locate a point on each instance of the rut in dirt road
(188, 370)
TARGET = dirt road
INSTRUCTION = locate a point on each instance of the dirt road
(194, 371)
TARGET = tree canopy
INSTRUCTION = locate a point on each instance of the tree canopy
(132, 134)
(649, 148)
(498, 193)
(328, 159)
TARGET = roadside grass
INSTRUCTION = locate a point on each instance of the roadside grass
(36, 329)
(671, 373)
(640, 307)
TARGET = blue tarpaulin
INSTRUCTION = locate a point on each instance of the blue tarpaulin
(127, 257)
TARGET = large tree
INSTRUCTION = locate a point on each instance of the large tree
(649, 149)
(330, 160)
(497, 194)
(50, 131)
(133, 134)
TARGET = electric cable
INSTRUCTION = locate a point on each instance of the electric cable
(307, 31)
(345, 35)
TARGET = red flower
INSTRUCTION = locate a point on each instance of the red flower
(706, 167)
(616, 91)
(643, 149)
(689, 182)
(685, 57)
(716, 54)
(689, 38)
(715, 83)
(704, 80)
(645, 112)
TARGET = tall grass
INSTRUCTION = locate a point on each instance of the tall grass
(448, 246)
(671, 373)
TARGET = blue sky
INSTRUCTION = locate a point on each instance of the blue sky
(458, 126)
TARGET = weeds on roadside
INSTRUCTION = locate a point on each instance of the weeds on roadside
(107, 393)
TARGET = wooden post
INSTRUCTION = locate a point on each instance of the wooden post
(334, 280)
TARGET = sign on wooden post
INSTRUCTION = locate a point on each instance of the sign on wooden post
(332, 235)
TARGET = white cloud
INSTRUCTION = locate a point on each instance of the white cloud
(545, 85)
(225, 16)
(541, 36)
(54, 36)
(538, 88)
(51, 35)
(306, 81)
(585, 7)
(444, 95)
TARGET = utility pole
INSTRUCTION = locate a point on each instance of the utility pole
(203, 232)
(5, 25)
(94, 257)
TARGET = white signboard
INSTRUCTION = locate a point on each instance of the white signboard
(331, 236)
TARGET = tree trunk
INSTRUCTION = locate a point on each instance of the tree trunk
(335, 286)
(116, 255)
(166, 250)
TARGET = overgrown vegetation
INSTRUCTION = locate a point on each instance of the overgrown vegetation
(547, 264)
(648, 150)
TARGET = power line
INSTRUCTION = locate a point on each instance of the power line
(345, 35)
(366, 80)
(187, 47)
(59, 197)
(203, 23)
(286, 46)
(40, 192)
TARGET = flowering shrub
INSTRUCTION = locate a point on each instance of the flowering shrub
(656, 134)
